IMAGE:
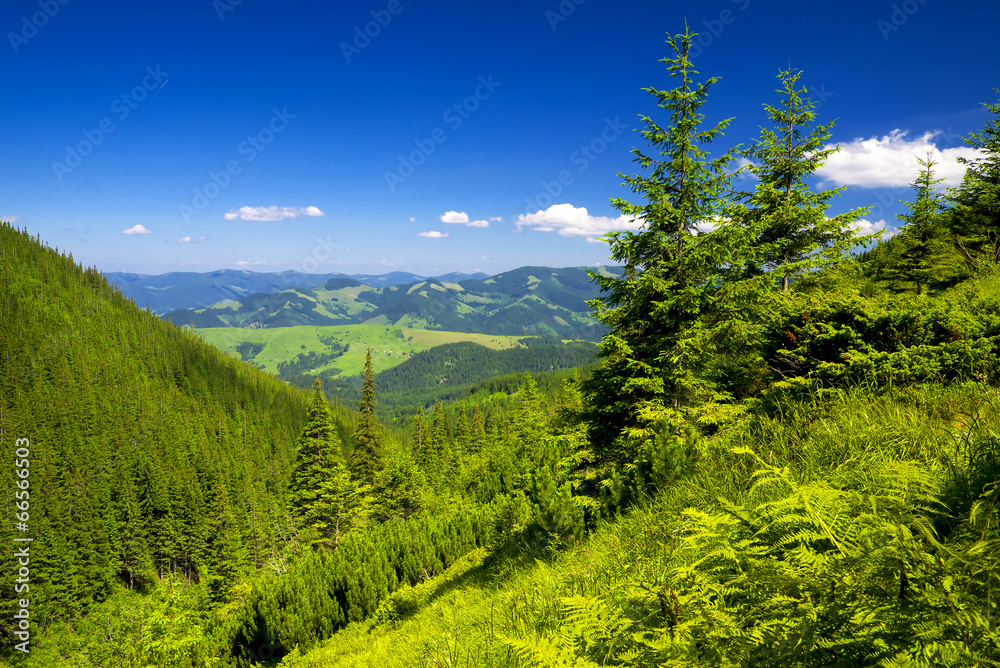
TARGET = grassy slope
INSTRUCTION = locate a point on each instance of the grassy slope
(467, 615)
(282, 344)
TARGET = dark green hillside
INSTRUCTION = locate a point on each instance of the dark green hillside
(151, 452)
(461, 363)
(453, 370)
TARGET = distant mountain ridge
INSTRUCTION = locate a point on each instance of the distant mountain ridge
(176, 290)
(539, 301)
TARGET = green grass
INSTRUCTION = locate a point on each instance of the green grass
(487, 608)
(282, 344)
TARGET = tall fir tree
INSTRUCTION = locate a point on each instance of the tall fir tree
(420, 435)
(654, 308)
(319, 451)
(918, 254)
(344, 503)
(788, 218)
(369, 437)
(975, 218)
(478, 437)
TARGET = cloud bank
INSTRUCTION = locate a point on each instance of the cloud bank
(891, 161)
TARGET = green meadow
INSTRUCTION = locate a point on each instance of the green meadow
(390, 345)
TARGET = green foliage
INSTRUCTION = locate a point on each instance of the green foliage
(322, 591)
(794, 233)
(137, 430)
(976, 203)
(668, 281)
(841, 339)
(922, 252)
(366, 458)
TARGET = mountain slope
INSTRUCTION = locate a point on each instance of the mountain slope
(149, 451)
(527, 301)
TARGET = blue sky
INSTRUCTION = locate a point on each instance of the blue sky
(196, 135)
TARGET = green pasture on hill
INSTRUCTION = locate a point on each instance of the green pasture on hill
(390, 345)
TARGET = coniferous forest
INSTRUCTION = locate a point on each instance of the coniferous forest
(786, 451)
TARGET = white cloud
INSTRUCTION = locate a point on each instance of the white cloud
(433, 234)
(572, 221)
(271, 213)
(136, 229)
(412, 219)
(454, 217)
(184, 240)
(462, 218)
(241, 263)
(868, 227)
(892, 161)
(203, 237)
(11, 219)
(496, 219)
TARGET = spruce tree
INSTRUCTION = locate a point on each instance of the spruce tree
(917, 254)
(653, 309)
(478, 437)
(789, 219)
(976, 203)
(318, 454)
(369, 436)
(420, 436)
(343, 504)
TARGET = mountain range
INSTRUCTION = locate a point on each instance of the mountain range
(538, 301)
(164, 293)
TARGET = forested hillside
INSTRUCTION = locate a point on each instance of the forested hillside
(536, 301)
(153, 456)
